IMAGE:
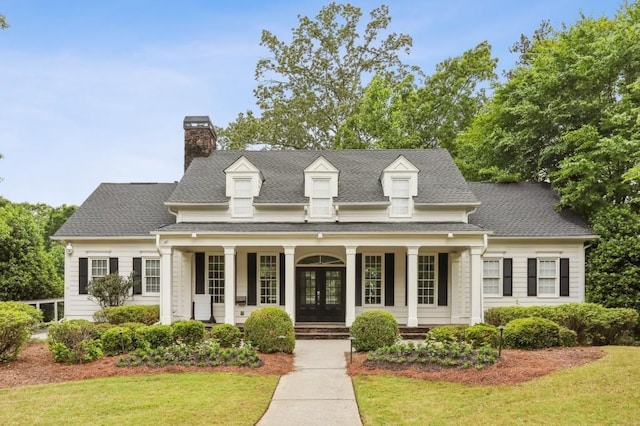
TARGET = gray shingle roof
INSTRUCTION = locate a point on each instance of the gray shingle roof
(524, 209)
(344, 227)
(121, 210)
(439, 180)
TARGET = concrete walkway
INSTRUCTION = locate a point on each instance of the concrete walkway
(318, 391)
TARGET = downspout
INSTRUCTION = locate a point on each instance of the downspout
(158, 243)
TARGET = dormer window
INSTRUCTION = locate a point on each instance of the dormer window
(400, 198)
(320, 185)
(242, 200)
(400, 183)
(320, 200)
(243, 181)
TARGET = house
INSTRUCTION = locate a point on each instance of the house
(325, 235)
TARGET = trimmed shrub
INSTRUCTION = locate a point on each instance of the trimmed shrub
(270, 330)
(73, 342)
(482, 334)
(16, 327)
(35, 314)
(101, 327)
(567, 338)
(133, 326)
(145, 314)
(189, 332)
(446, 333)
(374, 329)
(227, 335)
(118, 340)
(531, 333)
(155, 335)
(505, 314)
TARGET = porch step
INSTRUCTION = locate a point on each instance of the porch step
(317, 332)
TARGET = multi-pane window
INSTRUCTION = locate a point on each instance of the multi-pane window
(426, 280)
(320, 202)
(99, 268)
(372, 280)
(547, 277)
(215, 277)
(400, 197)
(242, 198)
(152, 275)
(491, 277)
(268, 278)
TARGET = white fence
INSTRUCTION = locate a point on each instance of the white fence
(38, 303)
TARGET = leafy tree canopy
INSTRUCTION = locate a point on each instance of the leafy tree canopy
(3, 22)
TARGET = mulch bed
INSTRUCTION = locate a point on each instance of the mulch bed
(515, 366)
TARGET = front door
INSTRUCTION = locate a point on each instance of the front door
(320, 294)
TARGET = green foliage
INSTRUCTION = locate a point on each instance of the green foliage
(188, 332)
(374, 329)
(506, 314)
(15, 330)
(99, 328)
(446, 333)
(307, 88)
(207, 353)
(531, 333)
(111, 290)
(35, 314)
(270, 330)
(118, 340)
(26, 268)
(448, 354)
(73, 342)
(482, 334)
(227, 335)
(156, 335)
(145, 314)
(133, 326)
(3, 26)
(567, 338)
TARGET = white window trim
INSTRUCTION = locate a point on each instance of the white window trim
(435, 279)
(207, 271)
(259, 283)
(382, 280)
(408, 197)
(90, 266)
(500, 277)
(556, 292)
(144, 276)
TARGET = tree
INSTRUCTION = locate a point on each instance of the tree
(309, 87)
(26, 269)
(3, 22)
(111, 290)
(410, 115)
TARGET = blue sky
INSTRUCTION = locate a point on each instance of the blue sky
(96, 91)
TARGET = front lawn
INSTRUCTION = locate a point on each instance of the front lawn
(188, 398)
(606, 391)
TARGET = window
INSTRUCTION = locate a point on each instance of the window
(268, 279)
(400, 206)
(320, 202)
(372, 280)
(215, 277)
(547, 277)
(242, 198)
(491, 277)
(99, 268)
(151, 277)
(427, 280)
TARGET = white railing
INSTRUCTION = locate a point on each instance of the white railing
(39, 302)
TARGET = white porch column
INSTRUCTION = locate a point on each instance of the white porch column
(350, 302)
(412, 286)
(290, 282)
(476, 285)
(187, 283)
(456, 294)
(229, 285)
(166, 275)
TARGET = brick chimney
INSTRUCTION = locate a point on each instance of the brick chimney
(199, 138)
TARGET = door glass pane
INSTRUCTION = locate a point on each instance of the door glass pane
(310, 287)
(333, 286)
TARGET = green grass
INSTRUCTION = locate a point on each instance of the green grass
(192, 398)
(604, 392)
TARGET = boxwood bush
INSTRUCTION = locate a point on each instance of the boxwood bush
(374, 329)
(227, 335)
(17, 323)
(567, 338)
(155, 335)
(146, 314)
(118, 340)
(73, 342)
(189, 332)
(446, 333)
(482, 334)
(531, 333)
(270, 330)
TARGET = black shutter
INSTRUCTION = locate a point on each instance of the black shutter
(200, 273)
(532, 277)
(137, 275)
(359, 279)
(389, 277)
(83, 275)
(252, 277)
(113, 265)
(564, 277)
(507, 277)
(282, 276)
(443, 278)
